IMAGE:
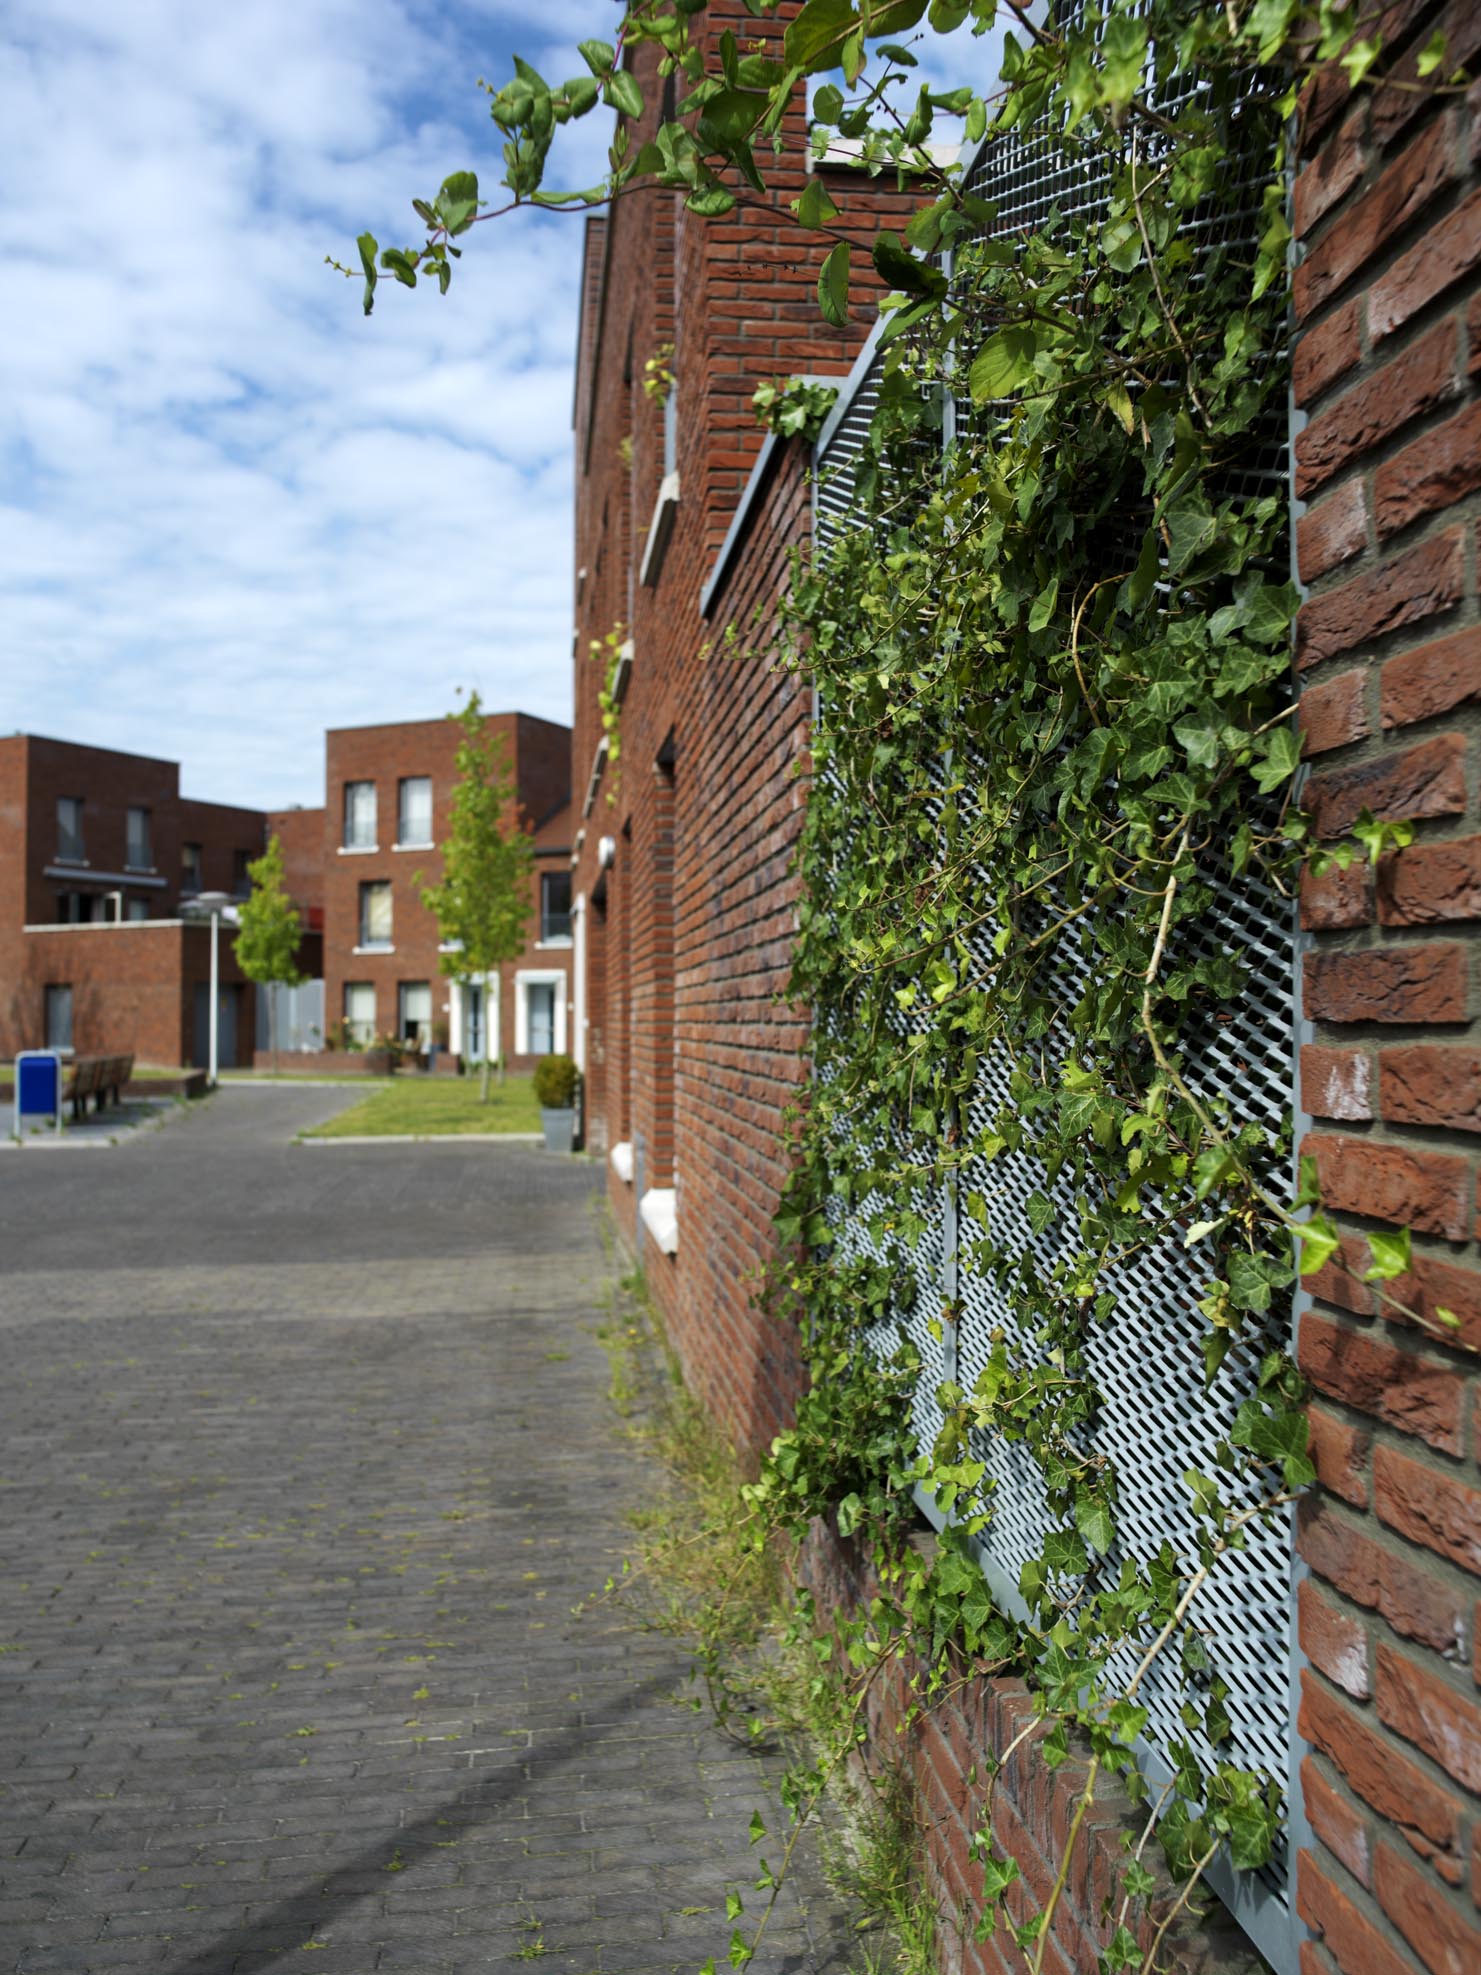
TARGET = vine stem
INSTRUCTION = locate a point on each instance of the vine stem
(1177, 1906)
(1087, 1798)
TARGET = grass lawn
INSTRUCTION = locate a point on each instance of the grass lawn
(435, 1107)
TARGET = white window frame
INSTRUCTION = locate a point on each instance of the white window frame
(528, 977)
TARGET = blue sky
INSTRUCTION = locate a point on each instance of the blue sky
(232, 511)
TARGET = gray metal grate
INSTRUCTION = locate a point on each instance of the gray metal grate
(1156, 1419)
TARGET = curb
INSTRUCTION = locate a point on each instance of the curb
(427, 1138)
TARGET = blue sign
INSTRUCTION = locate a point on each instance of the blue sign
(38, 1087)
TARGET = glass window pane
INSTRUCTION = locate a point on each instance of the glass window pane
(541, 1015)
(414, 824)
(59, 1018)
(69, 826)
(190, 867)
(360, 815)
(360, 1011)
(375, 914)
(555, 906)
(139, 853)
(416, 1012)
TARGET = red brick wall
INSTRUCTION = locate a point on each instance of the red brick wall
(538, 753)
(133, 989)
(691, 1056)
(1388, 304)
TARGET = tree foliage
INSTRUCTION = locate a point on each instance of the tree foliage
(482, 902)
(270, 931)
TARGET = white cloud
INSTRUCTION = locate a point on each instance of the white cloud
(232, 511)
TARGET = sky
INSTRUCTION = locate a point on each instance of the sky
(234, 511)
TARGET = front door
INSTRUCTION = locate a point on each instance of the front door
(473, 1021)
(226, 1028)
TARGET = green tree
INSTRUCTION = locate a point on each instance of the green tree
(482, 904)
(268, 939)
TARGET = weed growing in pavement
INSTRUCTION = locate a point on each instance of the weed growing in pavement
(701, 1576)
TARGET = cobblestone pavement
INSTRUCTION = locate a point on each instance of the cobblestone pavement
(306, 1460)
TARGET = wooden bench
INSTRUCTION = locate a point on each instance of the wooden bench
(96, 1077)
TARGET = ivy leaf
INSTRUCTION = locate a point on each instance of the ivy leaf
(1004, 364)
(396, 260)
(998, 1874)
(369, 247)
(815, 208)
(739, 1952)
(1123, 53)
(833, 286)
(623, 92)
(1094, 1522)
(1319, 1243)
(827, 105)
(1391, 1255)
(896, 265)
(758, 1828)
(1252, 1830)
(735, 1906)
(813, 41)
(599, 56)
(1432, 55)
(1044, 602)
(1282, 758)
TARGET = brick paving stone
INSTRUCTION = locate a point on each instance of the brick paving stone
(306, 1463)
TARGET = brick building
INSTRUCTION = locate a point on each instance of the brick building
(683, 905)
(98, 850)
(388, 791)
(683, 915)
(100, 856)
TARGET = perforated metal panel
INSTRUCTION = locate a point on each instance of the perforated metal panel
(1156, 1419)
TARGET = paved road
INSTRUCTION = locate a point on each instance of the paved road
(304, 1460)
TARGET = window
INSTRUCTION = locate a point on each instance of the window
(190, 868)
(360, 1012)
(540, 1018)
(414, 1012)
(241, 877)
(69, 827)
(375, 914)
(414, 813)
(136, 908)
(59, 1017)
(555, 908)
(539, 1013)
(139, 848)
(360, 816)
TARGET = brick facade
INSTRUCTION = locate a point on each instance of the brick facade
(1388, 462)
(135, 986)
(684, 846)
(538, 753)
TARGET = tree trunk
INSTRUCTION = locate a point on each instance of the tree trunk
(483, 1092)
(272, 1022)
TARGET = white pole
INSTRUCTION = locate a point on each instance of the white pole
(579, 970)
(215, 989)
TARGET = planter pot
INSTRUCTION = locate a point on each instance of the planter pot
(378, 1063)
(560, 1129)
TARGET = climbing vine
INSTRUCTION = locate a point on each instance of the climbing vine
(1055, 725)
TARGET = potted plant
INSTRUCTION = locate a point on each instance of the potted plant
(556, 1082)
